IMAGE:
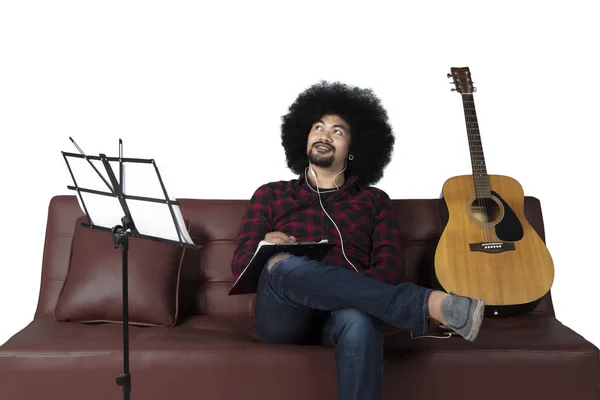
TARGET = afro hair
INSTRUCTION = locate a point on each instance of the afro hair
(372, 139)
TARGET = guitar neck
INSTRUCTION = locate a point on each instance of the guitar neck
(480, 176)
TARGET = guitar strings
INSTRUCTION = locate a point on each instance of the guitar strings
(483, 182)
(470, 117)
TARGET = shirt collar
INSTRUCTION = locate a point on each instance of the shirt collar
(352, 183)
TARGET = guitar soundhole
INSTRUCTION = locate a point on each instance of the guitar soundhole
(486, 211)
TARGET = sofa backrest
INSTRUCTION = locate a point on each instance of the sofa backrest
(206, 274)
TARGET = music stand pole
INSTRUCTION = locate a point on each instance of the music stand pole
(121, 239)
(120, 236)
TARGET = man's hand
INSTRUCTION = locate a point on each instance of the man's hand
(278, 238)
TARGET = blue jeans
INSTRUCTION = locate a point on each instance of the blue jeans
(302, 301)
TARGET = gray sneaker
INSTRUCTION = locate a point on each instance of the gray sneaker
(463, 315)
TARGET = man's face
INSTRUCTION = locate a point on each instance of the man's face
(328, 142)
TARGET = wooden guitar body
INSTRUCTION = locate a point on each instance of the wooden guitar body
(488, 249)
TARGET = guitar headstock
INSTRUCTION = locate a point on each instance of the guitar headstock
(462, 80)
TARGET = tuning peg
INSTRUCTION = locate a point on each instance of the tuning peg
(474, 89)
(453, 90)
(449, 75)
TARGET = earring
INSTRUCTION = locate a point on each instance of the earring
(350, 157)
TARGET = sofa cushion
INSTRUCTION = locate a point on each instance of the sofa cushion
(92, 291)
(530, 357)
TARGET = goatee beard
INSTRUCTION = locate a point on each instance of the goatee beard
(324, 162)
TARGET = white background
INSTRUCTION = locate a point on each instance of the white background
(201, 89)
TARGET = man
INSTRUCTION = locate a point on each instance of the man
(338, 140)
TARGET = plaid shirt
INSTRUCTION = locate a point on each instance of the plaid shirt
(364, 216)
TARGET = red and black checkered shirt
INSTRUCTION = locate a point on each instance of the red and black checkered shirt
(363, 214)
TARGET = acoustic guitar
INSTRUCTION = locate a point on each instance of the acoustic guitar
(488, 250)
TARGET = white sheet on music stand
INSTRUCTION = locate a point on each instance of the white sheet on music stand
(140, 179)
(87, 177)
(155, 219)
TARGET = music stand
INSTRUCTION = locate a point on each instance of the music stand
(110, 205)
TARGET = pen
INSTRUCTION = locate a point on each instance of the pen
(265, 218)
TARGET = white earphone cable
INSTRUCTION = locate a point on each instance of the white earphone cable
(328, 216)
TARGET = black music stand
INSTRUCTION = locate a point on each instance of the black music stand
(118, 219)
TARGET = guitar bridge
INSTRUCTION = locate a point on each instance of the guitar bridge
(492, 247)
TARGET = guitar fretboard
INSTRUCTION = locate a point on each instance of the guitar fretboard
(480, 176)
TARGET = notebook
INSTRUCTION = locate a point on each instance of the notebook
(247, 282)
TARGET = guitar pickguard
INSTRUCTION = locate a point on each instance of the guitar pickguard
(509, 228)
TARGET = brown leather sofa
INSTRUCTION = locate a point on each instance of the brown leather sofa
(193, 341)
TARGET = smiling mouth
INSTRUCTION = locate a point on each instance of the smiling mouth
(323, 147)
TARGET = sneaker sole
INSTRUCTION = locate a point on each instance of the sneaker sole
(477, 319)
